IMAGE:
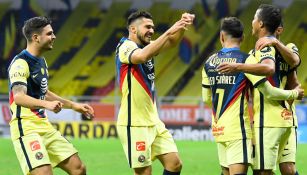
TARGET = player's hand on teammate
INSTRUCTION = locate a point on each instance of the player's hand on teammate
(227, 68)
(55, 106)
(85, 109)
(300, 92)
(265, 41)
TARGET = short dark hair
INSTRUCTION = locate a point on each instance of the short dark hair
(270, 16)
(35, 24)
(232, 26)
(136, 15)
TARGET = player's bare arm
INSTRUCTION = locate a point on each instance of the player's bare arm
(291, 58)
(265, 68)
(176, 37)
(292, 83)
(22, 99)
(85, 109)
(154, 48)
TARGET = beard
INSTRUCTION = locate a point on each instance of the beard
(143, 39)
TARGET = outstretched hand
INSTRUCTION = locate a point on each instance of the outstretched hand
(85, 109)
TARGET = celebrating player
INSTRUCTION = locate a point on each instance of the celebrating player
(142, 134)
(271, 117)
(290, 60)
(229, 97)
(39, 146)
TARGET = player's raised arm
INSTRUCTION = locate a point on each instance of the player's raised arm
(291, 57)
(177, 36)
(144, 26)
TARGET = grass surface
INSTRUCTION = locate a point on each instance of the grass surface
(106, 157)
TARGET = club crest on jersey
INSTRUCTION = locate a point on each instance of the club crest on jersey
(35, 145)
(140, 146)
(141, 158)
(39, 155)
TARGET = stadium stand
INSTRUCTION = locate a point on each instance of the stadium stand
(82, 62)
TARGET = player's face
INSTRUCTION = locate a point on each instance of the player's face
(145, 30)
(46, 38)
(256, 24)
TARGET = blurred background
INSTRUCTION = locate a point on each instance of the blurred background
(82, 66)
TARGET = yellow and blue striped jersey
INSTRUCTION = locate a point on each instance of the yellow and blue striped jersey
(230, 117)
(271, 113)
(136, 81)
(32, 72)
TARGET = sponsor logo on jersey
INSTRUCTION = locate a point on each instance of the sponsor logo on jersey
(286, 114)
(35, 145)
(140, 146)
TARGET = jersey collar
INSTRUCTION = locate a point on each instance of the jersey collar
(31, 56)
(230, 49)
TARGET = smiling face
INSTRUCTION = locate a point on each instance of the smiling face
(141, 31)
(144, 30)
(45, 38)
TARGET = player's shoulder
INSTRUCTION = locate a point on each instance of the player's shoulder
(128, 43)
(292, 46)
(267, 49)
(252, 52)
(19, 63)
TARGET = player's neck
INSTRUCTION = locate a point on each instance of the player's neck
(136, 40)
(264, 33)
(231, 45)
(34, 51)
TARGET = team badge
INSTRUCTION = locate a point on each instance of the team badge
(39, 155)
(141, 158)
(140, 146)
(35, 145)
(43, 71)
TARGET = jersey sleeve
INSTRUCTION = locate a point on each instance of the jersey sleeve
(265, 53)
(256, 80)
(206, 91)
(294, 49)
(205, 79)
(126, 50)
(19, 72)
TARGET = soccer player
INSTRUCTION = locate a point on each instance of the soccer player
(289, 61)
(39, 146)
(143, 135)
(271, 117)
(229, 94)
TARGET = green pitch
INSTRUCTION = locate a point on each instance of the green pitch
(106, 157)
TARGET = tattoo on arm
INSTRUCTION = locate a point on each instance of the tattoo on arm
(19, 88)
